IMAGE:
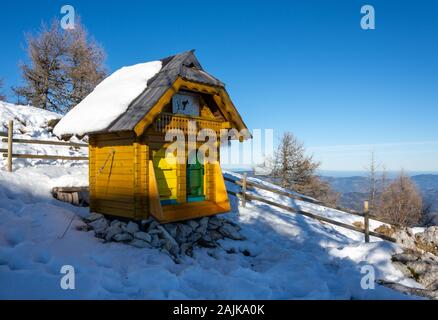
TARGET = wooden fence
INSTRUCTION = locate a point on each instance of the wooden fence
(245, 196)
(8, 138)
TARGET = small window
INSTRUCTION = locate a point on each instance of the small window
(187, 104)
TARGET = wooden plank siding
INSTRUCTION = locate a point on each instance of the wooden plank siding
(113, 175)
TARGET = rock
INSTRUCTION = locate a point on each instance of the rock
(100, 233)
(230, 231)
(403, 268)
(384, 229)
(423, 267)
(99, 225)
(405, 238)
(175, 238)
(207, 242)
(112, 231)
(195, 236)
(430, 235)
(170, 243)
(143, 236)
(405, 257)
(139, 243)
(216, 235)
(187, 249)
(153, 225)
(123, 237)
(204, 222)
(172, 247)
(428, 240)
(183, 232)
(171, 228)
(155, 231)
(214, 223)
(131, 228)
(192, 224)
(430, 294)
(202, 229)
(115, 223)
(94, 216)
(145, 223)
(83, 227)
(166, 235)
(155, 242)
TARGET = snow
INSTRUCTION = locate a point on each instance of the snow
(108, 101)
(32, 123)
(290, 256)
(316, 209)
(27, 120)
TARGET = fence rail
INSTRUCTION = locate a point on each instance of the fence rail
(47, 142)
(267, 188)
(244, 196)
(10, 140)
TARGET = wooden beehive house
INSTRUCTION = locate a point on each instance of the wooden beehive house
(130, 174)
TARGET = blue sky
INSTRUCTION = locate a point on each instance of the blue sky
(300, 66)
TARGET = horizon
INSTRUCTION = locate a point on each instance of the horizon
(309, 68)
(346, 173)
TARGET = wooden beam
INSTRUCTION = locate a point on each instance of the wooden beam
(70, 189)
(48, 142)
(44, 156)
(280, 192)
(366, 217)
(10, 143)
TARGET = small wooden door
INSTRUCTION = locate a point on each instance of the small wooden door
(195, 182)
(166, 175)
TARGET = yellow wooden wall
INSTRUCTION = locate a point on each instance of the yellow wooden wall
(120, 180)
(118, 175)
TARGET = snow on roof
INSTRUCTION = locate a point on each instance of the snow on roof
(110, 99)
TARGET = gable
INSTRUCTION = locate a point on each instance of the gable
(219, 95)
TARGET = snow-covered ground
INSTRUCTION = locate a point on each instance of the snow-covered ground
(290, 256)
(33, 123)
(284, 256)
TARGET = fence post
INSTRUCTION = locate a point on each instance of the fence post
(366, 217)
(244, 190)
(10, 136)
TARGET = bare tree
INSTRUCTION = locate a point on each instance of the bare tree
(295, 170)
(84, 64)
(44, 77)
(372, 177)
(2, 96)
(401, 202)
(64, 67)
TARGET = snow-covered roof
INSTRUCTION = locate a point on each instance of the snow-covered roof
(109, 100)
(123, 99)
